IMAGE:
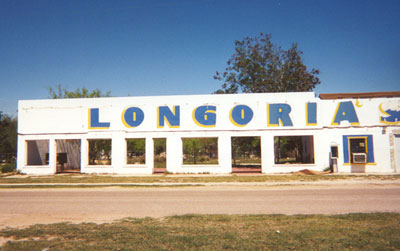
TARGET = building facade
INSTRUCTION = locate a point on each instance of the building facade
(197, 133)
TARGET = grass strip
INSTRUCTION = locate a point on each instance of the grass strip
(86, 178)
(24, 186)
(375, 231)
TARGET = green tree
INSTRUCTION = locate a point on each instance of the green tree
(8, 137)
(160, 146)
(243, 147)
(198, 149)
(99, 149)
(59, 92)
(136, 145)
(259, 66)
(288, 146)
(191, 147)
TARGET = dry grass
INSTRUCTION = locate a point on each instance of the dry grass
(86, 178)
(378, 231)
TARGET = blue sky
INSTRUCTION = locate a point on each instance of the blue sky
(168, 47)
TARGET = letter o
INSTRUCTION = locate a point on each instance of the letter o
(132, 117)
(241, 115)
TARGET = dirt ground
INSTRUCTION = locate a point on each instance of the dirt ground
(24, 207)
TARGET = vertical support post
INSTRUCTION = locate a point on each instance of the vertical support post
(225, 154)
(84, 154)
(149, 153)
(174, 154)
(267, 153)
(118, 152)
(22, 153)
(52, 155)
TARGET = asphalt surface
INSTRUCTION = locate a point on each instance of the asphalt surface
(23, 207)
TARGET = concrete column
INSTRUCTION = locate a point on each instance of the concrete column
(174, 154)
(21, 157)
(52, 155)
(118, 152)
(84, 154)
(224, 154)
(267, 153)
(150, 153)
(322, 149)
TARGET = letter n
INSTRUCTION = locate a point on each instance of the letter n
(165, 115)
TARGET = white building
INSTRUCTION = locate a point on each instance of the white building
(353, 132)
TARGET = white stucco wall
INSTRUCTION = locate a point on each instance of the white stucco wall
(69, 119)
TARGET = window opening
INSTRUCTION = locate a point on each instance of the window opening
(37, 152)
(334, 152)
(246, 154)
(68, 155)
(99, 151)
(294, 149)
(200, 151)
(358, 150)
(136, 151)
(160, 155)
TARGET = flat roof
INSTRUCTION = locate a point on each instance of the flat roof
(359, 95)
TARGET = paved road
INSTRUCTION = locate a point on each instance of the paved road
(22, 207)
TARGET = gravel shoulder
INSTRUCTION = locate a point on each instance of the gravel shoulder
(293, 184)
